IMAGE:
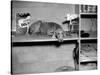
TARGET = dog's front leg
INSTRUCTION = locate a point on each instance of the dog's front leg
(53, 36)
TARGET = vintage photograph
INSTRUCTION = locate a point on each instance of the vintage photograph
(52, 37)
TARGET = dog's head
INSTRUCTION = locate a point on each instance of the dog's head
(59, 34)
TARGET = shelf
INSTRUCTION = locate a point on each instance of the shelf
(21, 39)
(89, 59)
(42, 40)
(84, 58)
(88, 15)
(88, 38)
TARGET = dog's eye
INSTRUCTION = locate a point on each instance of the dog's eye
(58, 33)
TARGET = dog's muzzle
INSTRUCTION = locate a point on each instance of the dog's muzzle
(59, 35)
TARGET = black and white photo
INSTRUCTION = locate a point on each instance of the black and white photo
(53, 37)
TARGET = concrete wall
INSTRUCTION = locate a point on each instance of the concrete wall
(36, 59)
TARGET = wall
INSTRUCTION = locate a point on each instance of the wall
(42, 11)
(36, 59)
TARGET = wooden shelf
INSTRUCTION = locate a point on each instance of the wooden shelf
(27, 38)
(84, 58)
(88, 13)
(42, 40)
(88, 38)
(88, 59)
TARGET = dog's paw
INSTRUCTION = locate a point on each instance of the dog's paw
(53, 37)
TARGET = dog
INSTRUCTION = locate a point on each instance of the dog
(47, 28)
